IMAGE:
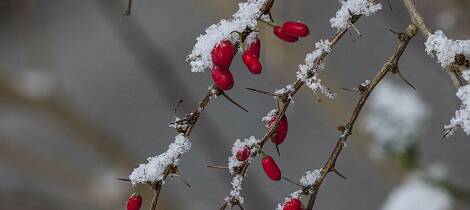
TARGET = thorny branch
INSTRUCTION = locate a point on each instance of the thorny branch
(193, 117)
(389, 66)
(418, 20)
(284, 102)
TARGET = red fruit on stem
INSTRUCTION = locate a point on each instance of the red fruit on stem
(223, 53)
(293, 204)
(296, 29)
(251, 62)
(134, 202)
(243, 153)
(222, 78)
(270, 168)
(281, 131)
(283, 36)
(255, 48)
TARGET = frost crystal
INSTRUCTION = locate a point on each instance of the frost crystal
(445, 49)
(415, 194)
(269, 116)
(155, 167)
(462, 116)
(310, 178)
(308, 71)
(295, 194)
(352, 7)
(246, 17)
(237, 182)
(394, 118)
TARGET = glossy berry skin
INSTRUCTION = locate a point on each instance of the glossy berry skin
(283, 36)
(243, 154)
(251, 62)
(295, 29)
(134, 202)
(271, 169)
(223, 53)
(281, 131)
(222, 78)
(255, 48)
(293, 204)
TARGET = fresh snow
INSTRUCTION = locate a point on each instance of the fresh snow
(354, 7)
(445, 49)
(155, 167)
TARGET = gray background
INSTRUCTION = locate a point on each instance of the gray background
(107, 88)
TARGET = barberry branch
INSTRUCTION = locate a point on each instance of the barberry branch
(389, 66)
(418, 20)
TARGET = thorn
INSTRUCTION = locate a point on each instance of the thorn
(277, 149)
(129, 9)
(124, 179)
(262, 91)
(231, 100)
(339, 174)
(182, 179)
(352, 37)
(406, 81)
(390, 5)
(218, 167)
(355, 29)
(292, 182)
(348, 89)
(178, 105)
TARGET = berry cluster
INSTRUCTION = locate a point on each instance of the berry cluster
(223, 53)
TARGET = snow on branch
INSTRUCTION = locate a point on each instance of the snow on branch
(350, 8)
(154, 169)
(438, 45)
(308, 71)
(307, 181)
(462, 116)
(246, 17)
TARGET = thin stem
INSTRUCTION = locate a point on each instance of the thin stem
(389, 66)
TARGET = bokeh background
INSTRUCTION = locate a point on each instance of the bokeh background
(86, 95)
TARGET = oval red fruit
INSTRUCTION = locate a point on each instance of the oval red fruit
(251, 62)
(222, 78)
(243, 153)
(270, 168)
(281, 132)
(293, 204)
(223, 53)
(255, 48)
(134, 202)
(283, 36)
(296, 29)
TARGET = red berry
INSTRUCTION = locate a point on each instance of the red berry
(296, 29)
(283, 36)
(134, 202)
(223, 79)
(255, 48)
(270, 168)
(252, 62)
(281, 131)
(223, 53)
(293, 204)
(243, 154)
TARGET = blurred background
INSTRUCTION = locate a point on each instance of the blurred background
(85, 96)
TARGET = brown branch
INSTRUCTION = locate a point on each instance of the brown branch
(389, 66)
(285, 100)
(418, 20)
(202, 105)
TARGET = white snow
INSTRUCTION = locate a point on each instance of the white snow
(268, 117)
(295, 194)
(155, 167)
(309, 67)
(445, 49)
(394, 117)
(462, 115)
(355, 7)
(237, 182)
(310, 177)
(415, 193)
(246, 16)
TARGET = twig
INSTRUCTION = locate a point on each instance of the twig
(418, 20)
(392, 63)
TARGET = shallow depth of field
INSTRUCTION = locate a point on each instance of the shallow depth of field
(86, 95)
